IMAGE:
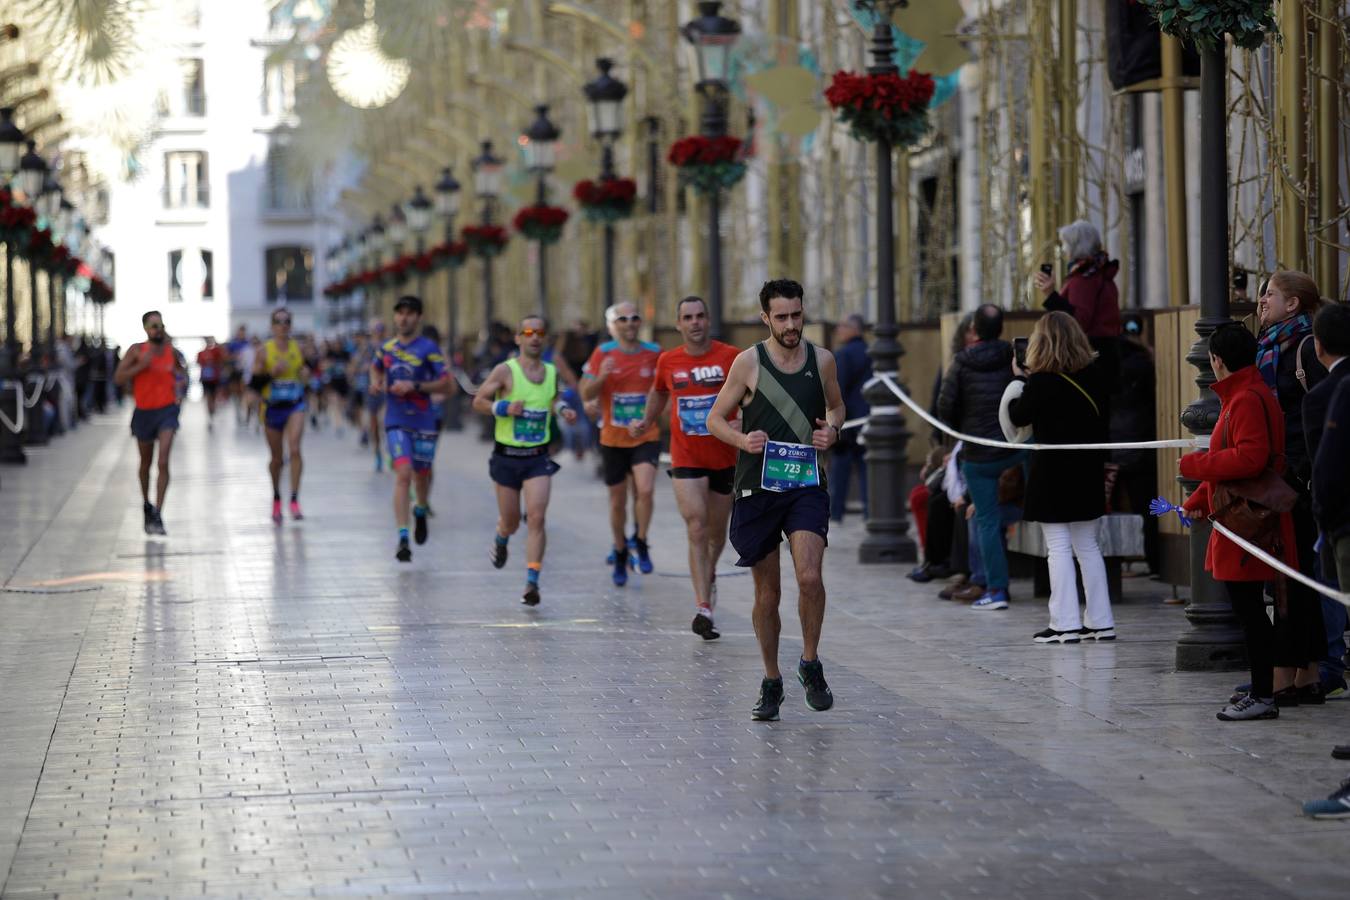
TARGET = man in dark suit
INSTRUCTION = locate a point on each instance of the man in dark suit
(1330, 451)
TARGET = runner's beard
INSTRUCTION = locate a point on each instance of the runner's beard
(788, 338)
(158, 339)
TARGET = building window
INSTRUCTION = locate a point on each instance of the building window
(191, 275)
(185, 180)
(279, 81)
(290, 274)
(285, 190)
(189, 97)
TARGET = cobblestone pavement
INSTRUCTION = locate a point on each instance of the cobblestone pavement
(245, 710)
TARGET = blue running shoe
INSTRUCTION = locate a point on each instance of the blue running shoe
(620, 574)
(644, 560)
(1337, 806)
(994, 599)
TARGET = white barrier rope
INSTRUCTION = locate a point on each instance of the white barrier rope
(38, 384)
(1342, 597)
(1187, 443)
(13, 426)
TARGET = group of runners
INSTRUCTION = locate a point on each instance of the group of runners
(746, 432)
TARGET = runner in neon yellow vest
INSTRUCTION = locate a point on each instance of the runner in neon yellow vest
(523, 395)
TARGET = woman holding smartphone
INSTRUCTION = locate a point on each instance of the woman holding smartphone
(1063, 402)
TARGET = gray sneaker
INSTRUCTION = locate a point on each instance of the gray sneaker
(1247, 708)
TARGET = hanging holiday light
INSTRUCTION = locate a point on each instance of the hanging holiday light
(360, 72)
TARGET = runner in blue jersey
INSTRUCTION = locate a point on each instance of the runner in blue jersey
(410, 370)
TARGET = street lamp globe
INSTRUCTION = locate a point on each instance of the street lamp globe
(397, 230)
(48, 201)
(487, 173)
(604, 102)
(66, 220)
(32, 173)
(541, 142)
(712, 37)
(418, 212)
(447, 195)
(375, 235)
(11, 144)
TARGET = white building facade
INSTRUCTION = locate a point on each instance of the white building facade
(212, 230)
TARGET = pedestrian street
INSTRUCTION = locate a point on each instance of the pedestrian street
(242, 710)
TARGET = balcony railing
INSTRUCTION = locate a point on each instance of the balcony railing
(186, 198)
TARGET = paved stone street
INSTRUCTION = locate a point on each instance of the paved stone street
(245, 710)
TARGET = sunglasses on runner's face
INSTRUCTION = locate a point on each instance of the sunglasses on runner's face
(627, 319)
(532, 332)
(281, 321)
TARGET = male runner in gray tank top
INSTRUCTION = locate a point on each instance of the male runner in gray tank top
(791, 410)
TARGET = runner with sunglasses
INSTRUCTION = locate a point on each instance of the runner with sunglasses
(280, 375)
(619, 374)
(411, 370)
(702, 467)
(522, 393)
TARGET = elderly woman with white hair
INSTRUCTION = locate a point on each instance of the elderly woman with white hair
(1089, 291)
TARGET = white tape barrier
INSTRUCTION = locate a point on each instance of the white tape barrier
(15, 427)
(1187, 443)
(465, 384)
(1342, 597)
(38, 384)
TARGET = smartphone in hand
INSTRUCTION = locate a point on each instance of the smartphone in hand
(1020, 351)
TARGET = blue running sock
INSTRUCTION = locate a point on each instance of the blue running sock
(532, 575)
(501, 541)
(403, 534)
(419, 510)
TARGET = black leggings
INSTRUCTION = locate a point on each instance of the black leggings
(1300, 635)
(1249, 606)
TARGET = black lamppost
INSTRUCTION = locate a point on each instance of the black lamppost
(487, 184)
(447, 207)
(541, 155)
(604, 106)
(11, 445)
(418, 213)
(885, 434)
(32, 180)
(374, 241)
(1215, 640)
(712, 36)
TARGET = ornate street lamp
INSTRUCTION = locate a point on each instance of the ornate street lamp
(487, 184)
(11, 145)
(447, 207)
(604, 107)
(885, 434)
(712, 37)
(32, 173)
(541, 154)
(418, 214)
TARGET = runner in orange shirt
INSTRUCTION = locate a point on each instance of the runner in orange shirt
(151, 369)
(619, 374)
(702, 467)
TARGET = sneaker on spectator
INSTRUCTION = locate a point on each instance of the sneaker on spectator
(1249, 708)
(1098, 634)
(995, 599)
(1333, 688)
(1051, 636)
(1337, 806)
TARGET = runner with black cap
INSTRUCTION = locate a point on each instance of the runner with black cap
(791, 409)
(410, 369)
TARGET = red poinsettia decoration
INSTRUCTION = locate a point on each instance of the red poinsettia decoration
(541, 222)
(607, 200)
(485, 240)
(452, 253)
(890, 106)
(708, 164)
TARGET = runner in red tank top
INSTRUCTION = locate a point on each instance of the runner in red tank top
(150, 369)
(702, 467)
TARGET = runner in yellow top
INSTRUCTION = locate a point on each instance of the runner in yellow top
(522, 394)
(283, 374)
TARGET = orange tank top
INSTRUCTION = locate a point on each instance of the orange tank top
(153, 388)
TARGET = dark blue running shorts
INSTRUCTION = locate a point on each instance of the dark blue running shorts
(278, 414)
(146, 424)
(761, 521)
(512, 471)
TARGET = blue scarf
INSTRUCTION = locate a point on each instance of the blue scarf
(1280, 337)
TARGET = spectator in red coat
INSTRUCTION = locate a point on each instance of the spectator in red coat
(1249, 437)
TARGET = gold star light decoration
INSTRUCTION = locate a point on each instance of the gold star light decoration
(360, 72)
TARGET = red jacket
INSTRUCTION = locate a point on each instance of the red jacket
(1240, 448)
